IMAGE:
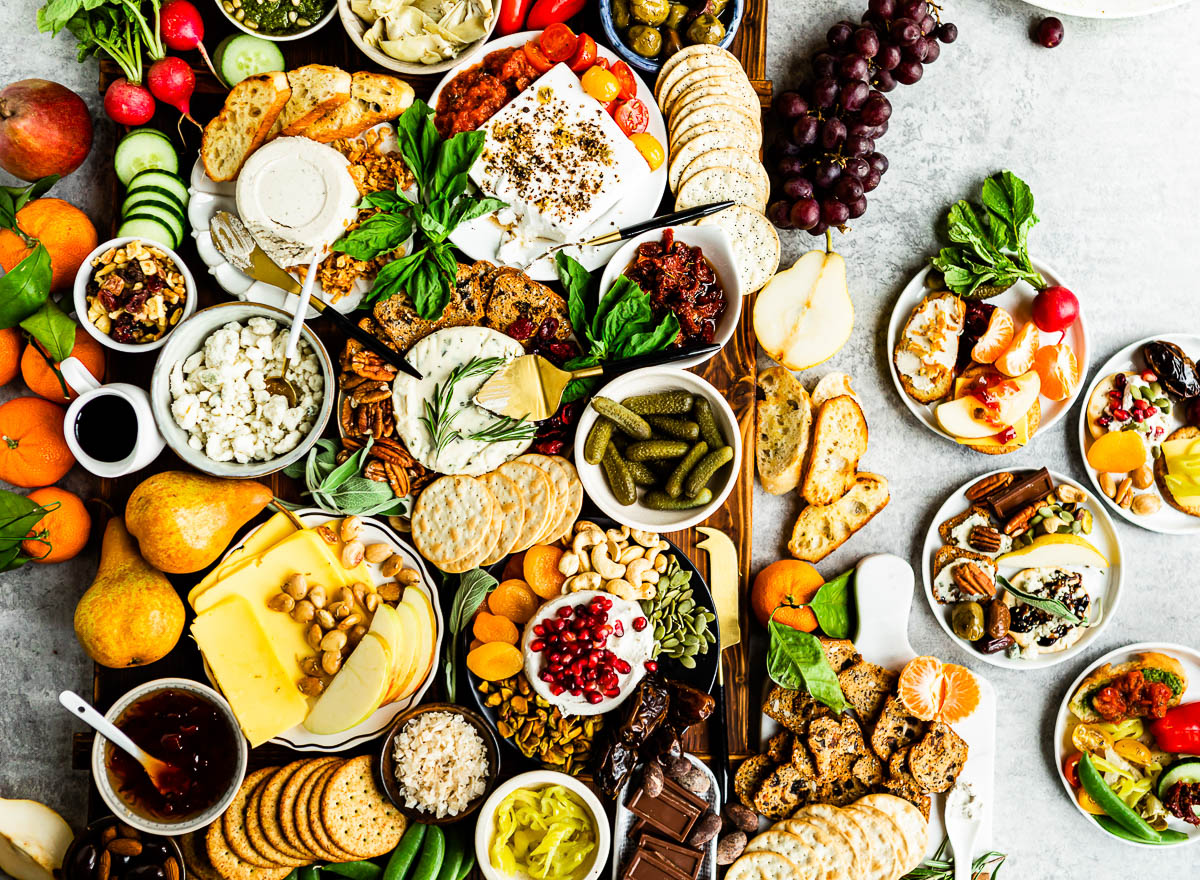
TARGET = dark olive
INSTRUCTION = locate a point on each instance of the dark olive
(644, 40)
(651, 12)
(995, 646)
(620, 14)
(1176, 371)
(706, 29)
(146, 872)
(85, 862)
(967, 621)
(671, 42)
(675, 15)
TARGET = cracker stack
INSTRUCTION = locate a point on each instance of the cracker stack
(313, 810)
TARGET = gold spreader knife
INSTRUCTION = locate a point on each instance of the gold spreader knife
(723, 581)
(530, 387)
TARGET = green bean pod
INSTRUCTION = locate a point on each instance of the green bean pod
(708, 466)
(644, 450)
(680, 429)
(663, 501)
(405, 852)
(629, 422)
(619, 479)
(597, 440)
(360, 870)
(708, 425)
(674, 486)
(432, 853)
(664, 403)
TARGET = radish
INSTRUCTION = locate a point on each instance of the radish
(1055, 309)
(128, 103)
(171, 81)
(183, 29)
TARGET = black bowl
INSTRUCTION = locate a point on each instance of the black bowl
(92, 834)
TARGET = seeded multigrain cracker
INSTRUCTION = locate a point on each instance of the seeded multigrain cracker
(356, 813)
(451, 518)
(229, 865)
(195, 856)
(270, 818)
(293, 806)
(316, 822)
(233, 822)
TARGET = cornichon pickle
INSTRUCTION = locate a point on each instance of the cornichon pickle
(618, 476)
(597, 441)
(674, 485)
(642, 475)
(629, 422)
(704, 471)
(708, 425)
(680, 429)
(665, 403)
(645, 450)
(663, 501)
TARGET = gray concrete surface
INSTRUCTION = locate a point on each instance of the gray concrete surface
(1103, 128)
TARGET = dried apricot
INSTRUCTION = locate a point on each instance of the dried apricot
(1117, 452)
(475, 643)
(515, 600)
(493, 661)
(541, 570)
(494, 628)
(514, 568)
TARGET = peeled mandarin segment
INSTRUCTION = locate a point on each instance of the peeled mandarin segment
(1018, 357)
(995, 339)
(1117, 452)
(960, 693)
(921, 687)
(541, 570)
(1058, 369)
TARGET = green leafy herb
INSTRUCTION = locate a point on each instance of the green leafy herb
(18, 516)
(117, 28)
(440, 167)
(1050, 606)
(990, 247)
(940, 866)
(25, 288)
(473, 587)
(796, 660)
(831, 605)
(505, 430)
(14, 198)
(53, 328)
(438, 418)
(340, 488)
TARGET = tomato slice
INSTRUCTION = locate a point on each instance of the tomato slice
(585, 54)
(600, 62)
(537, 58)
(558, 42)
(632, 117)
(626, 78)
(1069, 770)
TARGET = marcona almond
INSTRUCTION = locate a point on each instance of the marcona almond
(353, 554)
(331, 662)
(313, 635)
(296, 586)
(378, 552)
(304, 611)
(1108, 485)
(350, 528)
(1146, 504)
(333, 640)
(328, 535)
(1124, 496)
(318, 597)
(390, 592)
(281, 602)
(392, 565)
(1143, 477)
(325, 620)
(310, 686)
(409, 577)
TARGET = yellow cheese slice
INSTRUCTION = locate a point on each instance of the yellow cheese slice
(1185, 489)
(264, 538)
(261, 691)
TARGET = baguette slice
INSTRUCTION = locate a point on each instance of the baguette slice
(250, 111)
(838, 443)
(784, 430)
(820, 530)
(1150, 664)
(317, 89)
(374, 98)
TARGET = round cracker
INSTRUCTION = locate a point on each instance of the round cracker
(832, 850)
(574, 502)
(229, 865)
(735, 159)
(912, 825)
(511, 510)
(869, 863)
(357, 815)
(768, 865)
(755, 244)
(717, 185)
(747, 139)
(726, 114)
(270, 817)
(886, 834)
(691, 58)
(316, 821)
(561, 480)
(451, 518)
(714, 96)
(492, 536)
(233, 821)
(697, 147)
(258, 840)
(788, 845)
(539, 495)
(195, 857)
(711, 72)
(293, 805)
(876, 839)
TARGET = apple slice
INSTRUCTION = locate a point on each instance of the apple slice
(397, 626)
(804, 315)
(416, 600)
(968, 418)
(356, 691)
(33, 840)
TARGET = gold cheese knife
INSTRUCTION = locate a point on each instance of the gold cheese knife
(723, 581)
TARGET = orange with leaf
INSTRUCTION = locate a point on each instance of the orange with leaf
(64, 230)
(782, 586)
(43, 376)
(10, 354)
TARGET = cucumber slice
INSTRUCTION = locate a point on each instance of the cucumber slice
(149, 229)
(164, 180)
(147, 130)
(142, 150)
(241, 55)
(167, 217)
(1182, 770)
(151, 196)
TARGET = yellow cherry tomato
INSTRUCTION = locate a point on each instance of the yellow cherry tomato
(1090, 738)
(1088, 804)
(1133, 751)
(601, 84)
(651, 150)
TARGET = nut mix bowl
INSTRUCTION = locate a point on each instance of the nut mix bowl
(143, 852)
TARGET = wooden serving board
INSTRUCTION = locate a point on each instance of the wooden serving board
(733, 372)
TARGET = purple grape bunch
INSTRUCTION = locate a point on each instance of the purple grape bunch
(824, 158)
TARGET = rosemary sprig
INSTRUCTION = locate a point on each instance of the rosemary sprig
(1050, 606)
(940, 866)
(438, 418)
(505, 430)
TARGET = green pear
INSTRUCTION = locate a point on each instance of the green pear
(183, 521)
(130, 615)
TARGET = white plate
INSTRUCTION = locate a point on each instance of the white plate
(1017, 300)
(623, 822)
(883, 588)
(1168, 520)
(480, 238)
(301, 738)
(1104, 585)
(1106, 8)
(1063, 725)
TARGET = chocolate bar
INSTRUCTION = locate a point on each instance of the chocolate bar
(669, 813)
(645, 865)
(682, 857)
(1021, 492)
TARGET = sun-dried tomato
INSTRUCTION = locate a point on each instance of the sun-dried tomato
(1182, 800)
(678, 279)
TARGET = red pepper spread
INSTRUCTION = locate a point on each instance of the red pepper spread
(1132, 696)
(477, 94)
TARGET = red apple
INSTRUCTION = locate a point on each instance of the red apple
(44, 129)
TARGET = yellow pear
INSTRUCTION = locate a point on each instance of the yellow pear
(131, 614)
(804, 315)
(183, 521)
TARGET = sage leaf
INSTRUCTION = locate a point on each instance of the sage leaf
(796, 660)
(473, 587)
(1050, 606)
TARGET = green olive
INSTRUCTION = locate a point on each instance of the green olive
(646, 41)
(967, 621)
(675, 15)
(620, 14)
(706, 29)
(672, 44)
(716, 7)
(651, 12)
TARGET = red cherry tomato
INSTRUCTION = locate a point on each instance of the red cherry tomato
(558, 42)
(585, 54)
(626, 78)
(1069, 770)
(536, 57)
(600, 62)
(632, 116)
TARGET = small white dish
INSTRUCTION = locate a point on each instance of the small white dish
(84, 275)
(279, 38)
(1103, 586)
(148, 442)
(356, 28)
(1168, 520)
(713, 241)
(104, 781)
(651, 380)
(189, 337)
(485, 822)
(1065, 723)
(1018, 301)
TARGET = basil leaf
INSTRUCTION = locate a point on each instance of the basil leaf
(467, 210)
(418, 140)
(25, 288)
(576, 281)
(377, 234)
(434, 219)
(454, 160)
(386, 200)
(1050, 606)
(53, 328)
(796, 660)
(657, 339)
(428, 296)
(831, 605)
(621, 288)
(578, 389)
(392, 278)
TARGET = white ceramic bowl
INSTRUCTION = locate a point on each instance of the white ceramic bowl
(714, 243)
(189, 337)
(638, 516)
(356, 27)
(104, 780)
(84, 275)
(485, 822)
(278, 38)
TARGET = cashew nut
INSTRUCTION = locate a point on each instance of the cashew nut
(604, 564)
(568, 564)
(618, 535)
(646, 539)
(650, 577)
(586, 525)
(660, 564)
(625, 590)
(585, 539)
(636, 570)
(588, 580)
(630, 553)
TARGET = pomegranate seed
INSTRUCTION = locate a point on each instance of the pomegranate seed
(565, 612)
(537, 645)
(1150, 410)
(1121, 415)
(1119, 381)
(651, 666)
(1139, 404)
(539, 630)
(639, 623)
(1104, 421)
(576, 691)
(605, 602)
(1158, 432)
(1149, 376)
(600, 617)
(1139, 415)
(623, 666)
(545, 676)
(594, 697)
(613, 692)
(618, 628)
(557, 689)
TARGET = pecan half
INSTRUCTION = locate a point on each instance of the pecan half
(389, 450)
(347, 420)
(367, 363)
(973, 580)
(376, 470)
(397, 478)
(985, 539)
(1018, 523)
(988, 485)
(371, 392)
